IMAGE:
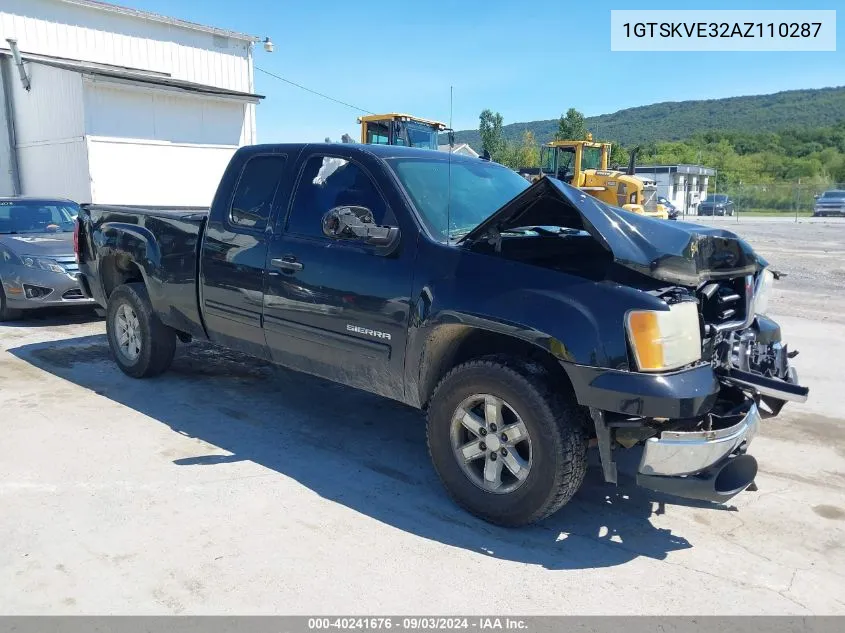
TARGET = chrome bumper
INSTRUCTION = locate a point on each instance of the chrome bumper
(675, 453)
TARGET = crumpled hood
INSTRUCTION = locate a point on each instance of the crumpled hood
(39, 244)
(675, 252)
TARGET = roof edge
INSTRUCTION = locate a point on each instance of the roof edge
(162, 19)
(119, 73)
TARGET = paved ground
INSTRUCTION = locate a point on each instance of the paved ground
(812, 254)
(229, 486)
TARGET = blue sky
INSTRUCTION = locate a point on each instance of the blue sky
(528, 60)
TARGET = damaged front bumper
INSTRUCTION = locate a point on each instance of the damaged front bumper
(695, 425)
(709, 464)
(680, 452)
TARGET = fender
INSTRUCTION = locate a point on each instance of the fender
(138, 245)
(557, 323)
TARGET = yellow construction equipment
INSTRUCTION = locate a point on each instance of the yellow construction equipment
(584, 164)
(400, 129)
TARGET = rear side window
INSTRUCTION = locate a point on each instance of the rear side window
(253, 199)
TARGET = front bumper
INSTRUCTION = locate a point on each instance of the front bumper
(29, 289)
(695, 425)
(675, 453)
(688, 393)
(708, 465)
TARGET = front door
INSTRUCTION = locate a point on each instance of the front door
(333, 307)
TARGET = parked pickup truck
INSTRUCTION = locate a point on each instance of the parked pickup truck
(528, 320)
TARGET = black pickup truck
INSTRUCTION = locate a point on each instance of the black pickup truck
(529, 321)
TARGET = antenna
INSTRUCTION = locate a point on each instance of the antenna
(449, 171)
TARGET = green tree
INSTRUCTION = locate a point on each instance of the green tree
(618, 156)
(490, 129)
(528, 153)
(571, 126)
(508, 155)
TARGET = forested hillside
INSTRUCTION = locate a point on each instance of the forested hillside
(679, 120)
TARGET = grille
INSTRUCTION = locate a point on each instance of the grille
(73, 293)
(724, 301)
(69, 264)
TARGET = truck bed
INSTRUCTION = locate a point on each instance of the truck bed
(167, 240)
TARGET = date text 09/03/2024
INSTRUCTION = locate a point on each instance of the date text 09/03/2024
(425, 623)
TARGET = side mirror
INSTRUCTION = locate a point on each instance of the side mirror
(357, 223)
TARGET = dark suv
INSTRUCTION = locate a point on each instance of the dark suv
(716, 204)
(830, 203)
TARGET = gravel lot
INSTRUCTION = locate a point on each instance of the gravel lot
(231, 486)
(812, 254)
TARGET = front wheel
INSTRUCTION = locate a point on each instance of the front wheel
(141, 344)
(505, 447)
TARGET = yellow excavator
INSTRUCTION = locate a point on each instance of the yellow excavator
(584, 164)
(400, 129)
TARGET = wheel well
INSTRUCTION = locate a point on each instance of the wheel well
(116, 271)
(453, 345)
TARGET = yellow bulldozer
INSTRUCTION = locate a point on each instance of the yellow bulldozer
(400, 129)
(584, 164)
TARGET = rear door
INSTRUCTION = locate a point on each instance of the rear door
(339, 308)
(234, 252)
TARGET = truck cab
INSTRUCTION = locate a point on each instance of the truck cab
(400, 129)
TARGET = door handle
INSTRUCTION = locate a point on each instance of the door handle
(287, 263)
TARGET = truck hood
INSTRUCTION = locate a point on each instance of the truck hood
(38, 244)
(675, 252)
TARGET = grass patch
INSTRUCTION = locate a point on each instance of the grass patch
(774, 213)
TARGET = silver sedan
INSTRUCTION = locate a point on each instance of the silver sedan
(37, 262)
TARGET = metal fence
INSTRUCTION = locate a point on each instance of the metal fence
(796, 199)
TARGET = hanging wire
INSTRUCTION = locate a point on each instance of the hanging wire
(319, 94)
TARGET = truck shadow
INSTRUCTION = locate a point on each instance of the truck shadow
(359, 450)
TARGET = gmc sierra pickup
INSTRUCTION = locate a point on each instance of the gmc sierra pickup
(529, 321)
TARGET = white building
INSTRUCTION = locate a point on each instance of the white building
(463, 149)
(114, 105)
(685, 186)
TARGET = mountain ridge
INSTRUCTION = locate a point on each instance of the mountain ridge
(679, 120)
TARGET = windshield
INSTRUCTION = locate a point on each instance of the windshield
(418, 135)
(37, 216)
(590, 157)
(716, 198)
(557, 161)
(477, 190)
(834, 194)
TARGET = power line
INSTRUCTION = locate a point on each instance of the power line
(319, 94)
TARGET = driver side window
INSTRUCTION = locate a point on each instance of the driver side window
(327, 182)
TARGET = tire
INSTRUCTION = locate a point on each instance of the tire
(557, 442)
(7, 314)
(153, 343)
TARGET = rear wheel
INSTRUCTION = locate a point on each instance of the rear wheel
(505, 446)
(7, 313)
(141, 344)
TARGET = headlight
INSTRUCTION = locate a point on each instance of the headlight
(763, 291)
(43, 263)
(665, 339)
